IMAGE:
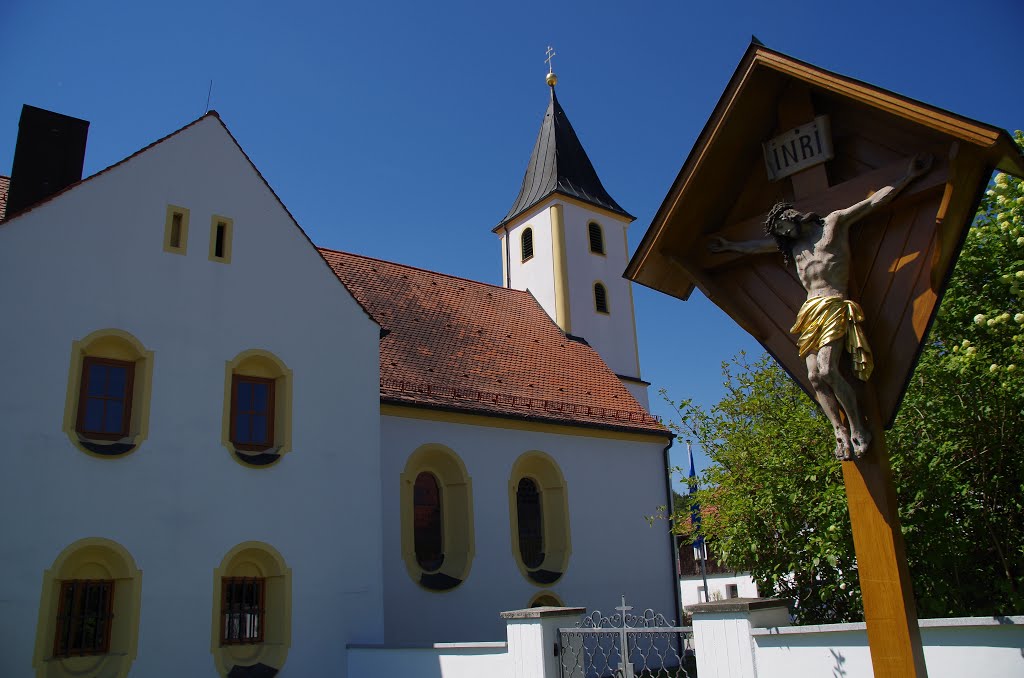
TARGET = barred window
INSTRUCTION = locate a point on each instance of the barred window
(531, 523)
(527, 242)
(596, 238)
(242, 610)
(105, 401)
(84, 615)
(600, 298)
(427, 523)
(252, 412)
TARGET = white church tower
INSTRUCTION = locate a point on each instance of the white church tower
(564, 241)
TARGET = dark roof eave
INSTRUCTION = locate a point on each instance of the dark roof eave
(604, 208)
(572, 423)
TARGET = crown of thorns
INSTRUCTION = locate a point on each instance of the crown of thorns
(774, 214)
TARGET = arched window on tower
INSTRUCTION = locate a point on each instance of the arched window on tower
(596, 238)
(600, 298)
(527, 243)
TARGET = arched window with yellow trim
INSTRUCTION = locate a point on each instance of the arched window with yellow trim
(257, 408)
(600, 298)
(252, 611)
(596, 237)
(106, 412)
(527, 244)
(89, 612)
(437, 518)
(546, 599)
(539, 513)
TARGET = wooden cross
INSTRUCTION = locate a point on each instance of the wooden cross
(550, 55)
(889, 608)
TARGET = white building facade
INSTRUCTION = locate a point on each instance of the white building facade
(221, 459)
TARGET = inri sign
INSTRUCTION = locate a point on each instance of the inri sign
(799, 148)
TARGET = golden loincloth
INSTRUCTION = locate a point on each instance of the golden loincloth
(822, 320)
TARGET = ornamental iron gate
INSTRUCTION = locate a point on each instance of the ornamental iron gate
(625, 645)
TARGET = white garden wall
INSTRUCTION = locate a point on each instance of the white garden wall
(953, 648)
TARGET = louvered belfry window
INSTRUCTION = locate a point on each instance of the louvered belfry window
(527, 242)
(428, 536)
(242, 610)
(596, 239)
(531, 524)
(600, 298)
(84, 615)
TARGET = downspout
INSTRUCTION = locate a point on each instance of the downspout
(508, 261)
(673, 551)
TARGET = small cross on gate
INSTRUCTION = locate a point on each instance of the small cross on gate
(624, 609)
(550, 53)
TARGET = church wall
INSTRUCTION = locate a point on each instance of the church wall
(612, 334)
(536, 274)
(611, 484)
(92, 259)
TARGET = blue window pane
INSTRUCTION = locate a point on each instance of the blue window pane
(114, 418)
(243, 422)
(259, 394)
(93, 420)
(244, 395)
(259, 429)
(97, 379)
(117, 380)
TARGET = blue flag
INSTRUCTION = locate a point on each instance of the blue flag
(698, 539)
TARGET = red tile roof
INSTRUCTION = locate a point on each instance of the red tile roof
(5, 189)
(456, 344)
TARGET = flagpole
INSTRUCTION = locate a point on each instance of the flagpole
(699, 548)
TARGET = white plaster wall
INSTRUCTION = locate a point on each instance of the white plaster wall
(688, 587)
(537, 274)
(612, 485)
(612, 335)
(953, 648)
(722, 644)
(638, 391)
(441, 660)
(92, 259)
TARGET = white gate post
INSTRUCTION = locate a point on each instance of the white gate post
(533, 636)
(721, 633)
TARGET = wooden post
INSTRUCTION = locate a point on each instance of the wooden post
(889, 609)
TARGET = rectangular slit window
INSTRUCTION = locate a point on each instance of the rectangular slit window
(218, 247)
(221, 228)
(176, 230)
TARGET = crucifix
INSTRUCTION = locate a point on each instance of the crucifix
(872, 227)
(550, 54)
(820, 252)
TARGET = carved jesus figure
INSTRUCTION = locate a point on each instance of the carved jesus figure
(828, 323)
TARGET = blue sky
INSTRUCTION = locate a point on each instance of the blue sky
(401, 130)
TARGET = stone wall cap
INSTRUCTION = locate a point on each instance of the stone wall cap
(738, 605)
(539, 612)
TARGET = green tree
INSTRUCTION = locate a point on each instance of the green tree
(956, 447)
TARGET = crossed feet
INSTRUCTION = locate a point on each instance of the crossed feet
(850, 447)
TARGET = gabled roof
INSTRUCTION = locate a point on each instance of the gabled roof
(740, 123)
(460, 345)
(902, 254)
(559, 164)
(5, 181)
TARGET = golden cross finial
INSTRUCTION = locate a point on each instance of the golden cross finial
(551, 78)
